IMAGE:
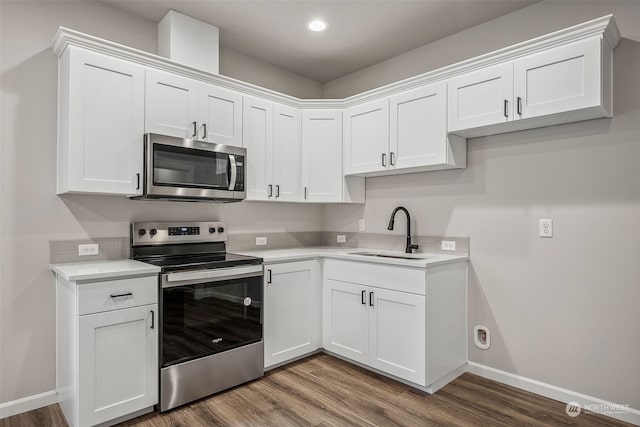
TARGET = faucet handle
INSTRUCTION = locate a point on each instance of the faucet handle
(410, 248)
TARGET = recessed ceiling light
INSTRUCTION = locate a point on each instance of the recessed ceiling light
(317, 25)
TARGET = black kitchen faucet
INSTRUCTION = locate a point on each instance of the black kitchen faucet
(409, 247)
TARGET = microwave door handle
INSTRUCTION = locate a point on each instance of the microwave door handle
(232, 172)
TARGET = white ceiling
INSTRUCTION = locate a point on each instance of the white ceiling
(360, 33)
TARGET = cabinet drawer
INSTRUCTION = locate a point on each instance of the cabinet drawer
(403, 279)
(96, 297)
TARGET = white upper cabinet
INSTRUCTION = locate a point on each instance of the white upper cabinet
(271, 135)
(481, 98)
(406, 132)
(286, 176)
(366, 137)
(100, 124)
(171, 104)
(302, 152)
(220, 114)
(557, 80)
(322, 176)
(418, 131)
(257, 130)
(186, 108)
(564, 84)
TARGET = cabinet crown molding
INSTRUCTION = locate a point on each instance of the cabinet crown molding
(604, 27)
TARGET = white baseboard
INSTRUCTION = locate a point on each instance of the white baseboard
(28, 403)
(630, 415)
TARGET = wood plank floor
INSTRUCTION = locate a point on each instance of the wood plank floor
(325, 391)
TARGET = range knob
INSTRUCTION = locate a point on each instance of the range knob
(212, 229)
(220, 229)
(153, 232)
(142, 232)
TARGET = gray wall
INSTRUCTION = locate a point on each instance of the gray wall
(30, 212)
(563, 310)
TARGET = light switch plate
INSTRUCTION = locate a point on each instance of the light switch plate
(361, 226)
(261, 241)
(342, 238)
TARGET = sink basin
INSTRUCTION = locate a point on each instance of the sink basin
(376, 254)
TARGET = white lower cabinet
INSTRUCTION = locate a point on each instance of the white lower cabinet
(397, 333)
(107, 349)
(292, 313)
(377, 327)
(346, 320)
(409, 323)
(117, 364)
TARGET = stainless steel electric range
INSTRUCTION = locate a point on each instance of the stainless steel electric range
(211, 306)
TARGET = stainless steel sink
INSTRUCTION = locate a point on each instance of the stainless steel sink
(376, 254)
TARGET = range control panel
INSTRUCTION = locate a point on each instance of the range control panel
(155, 233)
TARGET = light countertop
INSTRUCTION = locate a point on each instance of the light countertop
(79, 271)
(419, 260)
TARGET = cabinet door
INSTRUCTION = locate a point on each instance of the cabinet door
(418, 125)
(397, 334)
(346, 320)
(562, 79)
(220, 115)
(257, 137)
(101, 139)
(118, 363)
(171, 105)
(287, 179)
(366, 137)
(322, 155)
(481, 98)
(291, 314)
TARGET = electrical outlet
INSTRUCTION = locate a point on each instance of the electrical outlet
(90, 249)
(361, 226)
(448, 245)
(261, 241)
(546, 228)
(342, 238)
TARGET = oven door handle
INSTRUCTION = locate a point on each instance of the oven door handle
(233, 172)
(171, 280)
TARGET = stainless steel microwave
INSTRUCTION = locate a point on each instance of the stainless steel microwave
(191, 170)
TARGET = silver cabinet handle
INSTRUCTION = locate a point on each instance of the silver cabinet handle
(506, 106)
(384, 159)
(204, 134)
(153, 320)
(269, 190)
(392, 158)
(195, 129)
(305, 193)
(233, 172)
(138, 181)
(269, 276)
(277, 190)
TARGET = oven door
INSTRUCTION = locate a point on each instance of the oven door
(186, 168)
(205, 312)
